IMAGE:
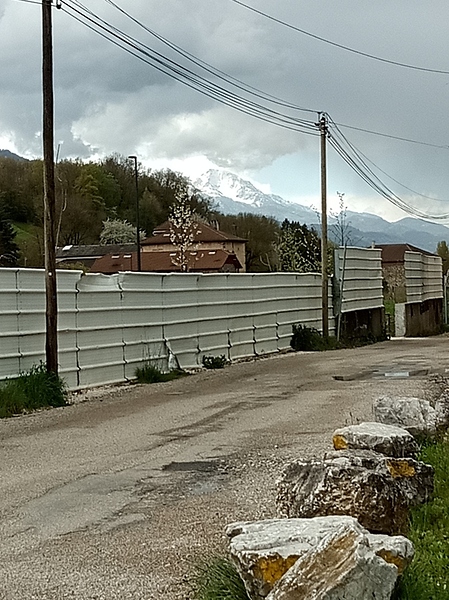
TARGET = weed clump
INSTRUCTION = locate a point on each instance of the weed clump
(214, 362)
(32, 390)
(151, 374)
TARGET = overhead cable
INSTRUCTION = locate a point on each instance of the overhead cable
(346, 150)
(337, 45)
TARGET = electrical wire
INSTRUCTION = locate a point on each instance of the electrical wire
(394, 137)
(346, 150)
(337, 45)
(359, 163)
(183, 74)
(210, 68)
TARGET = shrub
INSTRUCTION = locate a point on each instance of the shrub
(215, 362)
(310, 339)
(35, 389)
(151, 374)
(218, 579)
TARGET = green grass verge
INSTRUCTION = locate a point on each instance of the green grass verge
(427, 578)
(151, 374)
(217, 579)
(30, 391)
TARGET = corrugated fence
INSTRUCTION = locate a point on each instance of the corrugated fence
(109, 325)
(423, 276)
(358, 273)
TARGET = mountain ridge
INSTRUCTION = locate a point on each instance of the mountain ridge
(233, 194)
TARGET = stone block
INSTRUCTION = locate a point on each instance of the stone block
(386, 439)
(375, 489)
(280, 557)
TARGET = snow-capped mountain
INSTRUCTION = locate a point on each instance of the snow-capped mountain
(233, 195)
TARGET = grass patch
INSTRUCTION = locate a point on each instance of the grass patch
(427, 578)
(152, 374)
(30, 391)
(217, 579)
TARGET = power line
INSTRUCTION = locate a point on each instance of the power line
(337, 45)
(359, 163)
(210, 68)
(183, 74)
(347, 151)
(394, 137)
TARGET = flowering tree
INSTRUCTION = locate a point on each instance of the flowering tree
(116, 231)
(298, 248)
(183, 230)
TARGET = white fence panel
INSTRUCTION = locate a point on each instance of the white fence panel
(360, 269)
(433, 277)
(9, 321)
(213, 320)
(31, 304)
(423, 276)
(143, 321)
(414, 282)
(181, 314)
(67, 285)
(100, 330)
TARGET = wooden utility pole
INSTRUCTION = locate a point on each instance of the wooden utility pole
(51, 339)
(324, 275)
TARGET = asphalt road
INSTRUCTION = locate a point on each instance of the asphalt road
(117, 495)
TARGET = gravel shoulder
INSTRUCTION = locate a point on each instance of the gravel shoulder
(118, 494)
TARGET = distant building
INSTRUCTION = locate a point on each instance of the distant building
(207, 238)
(87, 255)
(202, 261)
(213, 251)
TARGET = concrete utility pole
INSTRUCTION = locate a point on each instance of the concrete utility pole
(51, 340)
(136, 177)
(324, 275)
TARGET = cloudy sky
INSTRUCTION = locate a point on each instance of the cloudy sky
(108, 100)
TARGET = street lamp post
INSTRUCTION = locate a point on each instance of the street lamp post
(136, 177)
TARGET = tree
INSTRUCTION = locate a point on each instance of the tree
(298, 248)
(9, 250)
(261, 234)
(116, 231)
(443, 251)
(183, 230)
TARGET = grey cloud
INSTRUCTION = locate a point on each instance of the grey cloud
(109, 100)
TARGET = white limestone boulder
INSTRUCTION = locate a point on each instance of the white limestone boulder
(280, 557)
(415, 415)
(375, 489)
(386, 439)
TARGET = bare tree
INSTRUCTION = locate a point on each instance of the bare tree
(341, 228)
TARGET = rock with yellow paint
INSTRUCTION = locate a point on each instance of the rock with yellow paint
(375, 489)
(386, 439)
(279, 558)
